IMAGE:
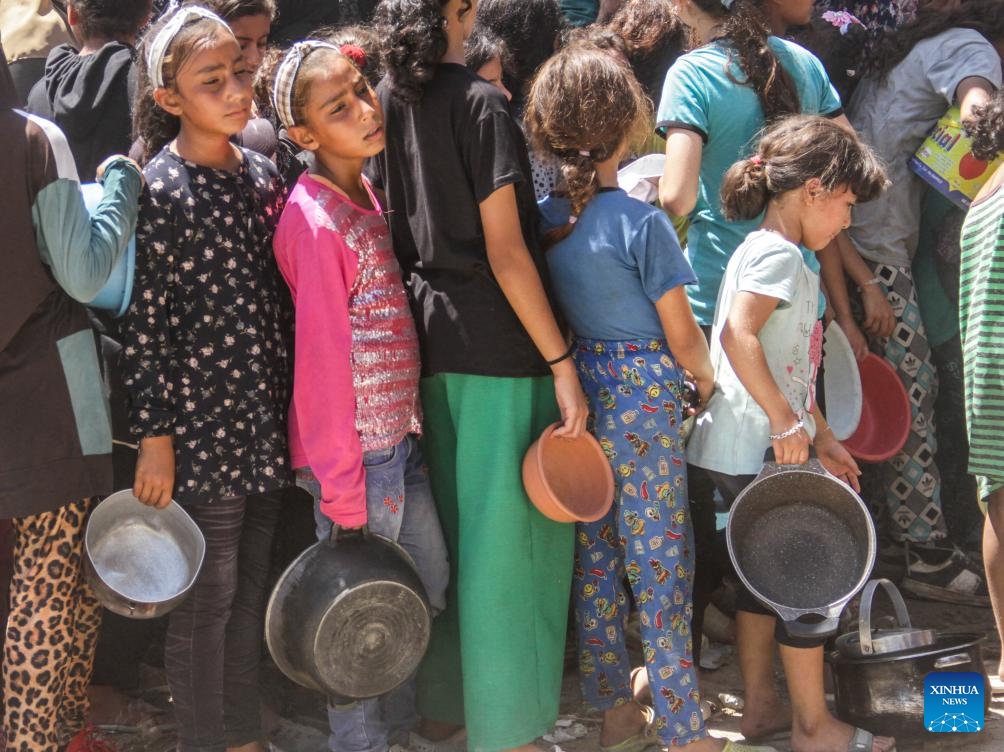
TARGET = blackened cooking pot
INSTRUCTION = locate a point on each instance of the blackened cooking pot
(885, 693)
(802, 542)
(349, 617)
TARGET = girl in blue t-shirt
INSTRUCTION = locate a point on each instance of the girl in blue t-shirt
(619, 275)
(807, 173)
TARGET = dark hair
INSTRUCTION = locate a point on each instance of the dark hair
(743, 25)
(984, 16)
(599, 37)
(840, 52)
(582, 107)
(414, 43)
(316, 60)
(530, 29)
(365, 38)
(154, 125)
(231, 10)
(654, 37)
(111, 19)
(986, 128)
(793, 151)
(482, 47)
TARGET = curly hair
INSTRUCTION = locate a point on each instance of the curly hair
(111, 19)
(482, 47)
(531, 29)
(155, 126)
(743, 25)
(791, 152)
(984, 16)
(654, 37)
(365, 38)
(583, 107)
(986, 128)
(414, 43)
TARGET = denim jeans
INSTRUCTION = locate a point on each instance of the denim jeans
(399, 506)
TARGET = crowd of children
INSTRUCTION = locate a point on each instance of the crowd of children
(374, 262)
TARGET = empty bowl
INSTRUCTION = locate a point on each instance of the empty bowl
(841, 382)
(885, 413)
(568, 480)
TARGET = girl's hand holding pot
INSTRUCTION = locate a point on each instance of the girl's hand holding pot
(789, 441)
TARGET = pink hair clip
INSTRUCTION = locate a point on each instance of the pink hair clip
(757, 160)
(355, 53)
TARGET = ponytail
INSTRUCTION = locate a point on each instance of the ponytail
(744, 190)
(415, 40)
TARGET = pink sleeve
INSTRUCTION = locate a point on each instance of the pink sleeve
(320, 270)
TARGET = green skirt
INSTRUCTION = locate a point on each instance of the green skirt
(496, 655)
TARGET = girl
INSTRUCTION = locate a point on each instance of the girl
(57, 452)
(354, 421)
(206, 362)
(487, 55)
(462, 216)
(766, 339)
(981, 282)
(619, 275)
(918, 73)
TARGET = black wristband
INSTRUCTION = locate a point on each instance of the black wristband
(560, 358)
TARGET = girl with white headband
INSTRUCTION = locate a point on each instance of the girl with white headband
(205, 357)
(355, 418)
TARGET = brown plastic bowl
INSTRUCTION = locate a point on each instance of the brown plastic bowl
(568, 480)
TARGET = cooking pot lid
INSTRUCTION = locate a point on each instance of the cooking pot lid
(885, 641)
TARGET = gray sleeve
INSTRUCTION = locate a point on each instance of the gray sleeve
(964, 53)
(82, 248)
(770, 268)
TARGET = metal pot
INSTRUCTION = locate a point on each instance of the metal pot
(868, 641)
(802, 542)
(349, 617)
(141, 561)
(885, 693)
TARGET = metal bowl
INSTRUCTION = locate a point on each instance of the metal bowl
(141, 561)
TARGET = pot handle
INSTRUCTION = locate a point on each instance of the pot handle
(338, 532)
(826, 626)
(772, 467)
(865, 615)
(956, 659)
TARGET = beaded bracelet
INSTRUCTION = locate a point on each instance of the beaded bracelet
(790, 432)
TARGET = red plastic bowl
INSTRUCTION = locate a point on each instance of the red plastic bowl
(568, 480)
(885, 413)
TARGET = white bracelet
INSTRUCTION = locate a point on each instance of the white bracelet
(790, 432)
(869, 283)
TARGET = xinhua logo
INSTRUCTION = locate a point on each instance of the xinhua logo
(953, 701)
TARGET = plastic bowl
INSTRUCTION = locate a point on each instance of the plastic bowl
(885, 413)
(842, 383)
(568, 480)
(116, 295)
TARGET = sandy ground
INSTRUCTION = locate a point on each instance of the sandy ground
(302, 729)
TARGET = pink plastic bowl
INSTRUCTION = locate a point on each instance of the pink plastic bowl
(885, 413)
(568, 480)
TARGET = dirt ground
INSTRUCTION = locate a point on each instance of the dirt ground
(302, 728)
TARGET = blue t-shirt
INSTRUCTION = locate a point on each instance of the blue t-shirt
(621, 257)
(700, 96)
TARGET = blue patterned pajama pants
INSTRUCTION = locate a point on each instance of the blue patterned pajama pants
(634, 389)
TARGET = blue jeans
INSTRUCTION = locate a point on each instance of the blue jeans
(399, 506)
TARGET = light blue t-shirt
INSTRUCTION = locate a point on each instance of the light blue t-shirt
(700, 96)
(621, 257)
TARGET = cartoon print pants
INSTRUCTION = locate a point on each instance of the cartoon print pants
(634, 388)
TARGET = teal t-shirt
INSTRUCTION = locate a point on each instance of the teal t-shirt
(701, 95)
(579, 12)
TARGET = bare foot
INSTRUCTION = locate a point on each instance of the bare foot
(764, 714)
(622, 723)
(832, 736)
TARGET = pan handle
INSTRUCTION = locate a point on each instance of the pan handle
(338, 532)
(865, 615)
(824, 628)
(772, 467)
(956, 659)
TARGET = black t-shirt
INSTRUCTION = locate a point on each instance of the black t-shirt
(445, 155)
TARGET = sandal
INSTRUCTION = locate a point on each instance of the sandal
(640, 741)
(863, 741)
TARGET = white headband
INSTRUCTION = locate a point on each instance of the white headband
(285, 78)
(157, 49)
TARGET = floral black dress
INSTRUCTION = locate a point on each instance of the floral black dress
(206, 348)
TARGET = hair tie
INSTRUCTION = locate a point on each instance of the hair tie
(355, 53)
(285, 78)
(757, 160)
(572, 219)
(157, 49)
(584, 153)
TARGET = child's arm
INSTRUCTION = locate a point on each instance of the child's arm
(740, 341)
(686, 340)
(832, 454)
(680, 178)
(516, 274)
(320, 270)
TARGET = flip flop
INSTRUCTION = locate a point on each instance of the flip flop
(996, 685)
(863, 741)
(642, 740)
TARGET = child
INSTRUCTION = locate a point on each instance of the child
(56, 455)
(355, 418)
(918, 73)
(88, 92)
(982, 327)
(487, 55)
(206, 362)
(766, 340)
(619, 275)
(462, 218)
